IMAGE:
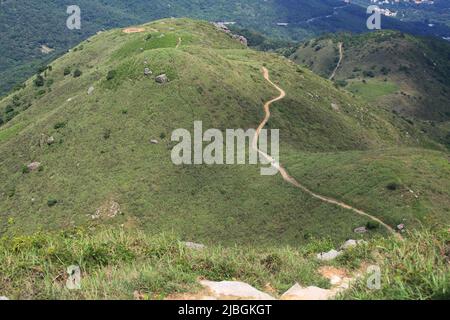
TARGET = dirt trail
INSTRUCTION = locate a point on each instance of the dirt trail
(178, 43)
(341, 56)
(133, 30)
(289, 178)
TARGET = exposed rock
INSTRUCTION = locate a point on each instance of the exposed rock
(401, 227)
(360, 230)
(3, 298)
(297, 292)
(108, 210)
(335, 107)
(147, 72)
(162, 78)
(243, 40)
(351, 243)
(328, 256)
(34, 166)
(195, 246)
(153, 141)
(50, 140)
(90, 90)
(235, 289)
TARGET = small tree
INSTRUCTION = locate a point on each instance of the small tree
(39, 81)
(77, 73)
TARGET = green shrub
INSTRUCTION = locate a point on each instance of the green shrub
(111, 75)
(52, 202)
(372, 225)
(77, 73)
(393, 186)
(67, 71)
(39, 81)
(59, 125)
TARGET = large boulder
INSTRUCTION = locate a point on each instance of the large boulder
(162, 78)
(297, 292)
(235, 290)
(328, 256)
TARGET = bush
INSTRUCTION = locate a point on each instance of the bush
(372, 225)
(59, 125)
(25, 169)
(67, 71)
(111, 75)
(77, 73)
(52, 202)
(369, 74)
(393, 186)
(39, 81)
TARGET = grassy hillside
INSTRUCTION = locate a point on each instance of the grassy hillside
(405, 74)
(124, 264)
(102, 156)
(26, 27)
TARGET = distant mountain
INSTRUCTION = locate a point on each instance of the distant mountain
(27, 26)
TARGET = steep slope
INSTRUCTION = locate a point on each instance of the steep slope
(408, 75)
(26, 27)
(103, 113)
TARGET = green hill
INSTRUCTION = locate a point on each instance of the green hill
(405, 74)
(100, 157)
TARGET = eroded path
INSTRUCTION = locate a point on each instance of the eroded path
(288, 178)
(341, 56)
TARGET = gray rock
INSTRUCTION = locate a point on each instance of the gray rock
(147, 72)
(328, 256)
(235, 289)
(360, 230)
(195, 246)
(351, 243)
(297, 292)
(34, 166)
(90, 90)
(162, 79)
(153, 141)
(50, 140)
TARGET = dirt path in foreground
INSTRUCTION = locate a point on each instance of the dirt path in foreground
(288, 178)
(178, 43)
(341, 57)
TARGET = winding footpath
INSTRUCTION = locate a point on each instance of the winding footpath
(288, 178)
(341, 56)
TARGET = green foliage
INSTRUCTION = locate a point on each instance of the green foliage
(77, 73)
(52, 202)
(111, 75)
(39, 81)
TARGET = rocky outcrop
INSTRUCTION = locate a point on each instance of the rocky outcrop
(222, 27)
